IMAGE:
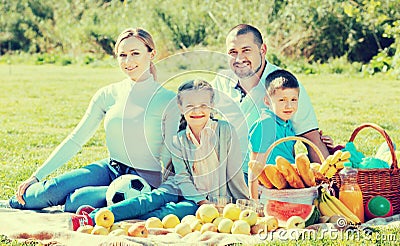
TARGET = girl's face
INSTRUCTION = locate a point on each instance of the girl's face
(283, 102)
(196, 107)
(134, 58)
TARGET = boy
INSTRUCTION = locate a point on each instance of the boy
(282, 96)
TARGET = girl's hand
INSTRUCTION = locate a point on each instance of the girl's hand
(327, 140)
(203, 202)
(22, 188)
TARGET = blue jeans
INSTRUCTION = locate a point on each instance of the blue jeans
(84, 186)
(157, 203)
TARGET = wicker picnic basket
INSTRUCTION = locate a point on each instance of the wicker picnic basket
(378, 181)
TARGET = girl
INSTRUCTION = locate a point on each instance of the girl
(206, 158)
(134, 136)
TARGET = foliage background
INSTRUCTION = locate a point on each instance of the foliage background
(357, 35)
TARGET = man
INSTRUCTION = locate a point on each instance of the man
(240, 91)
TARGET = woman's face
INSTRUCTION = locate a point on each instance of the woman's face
(134, 58)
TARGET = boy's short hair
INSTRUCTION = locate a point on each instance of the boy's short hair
(280, 79)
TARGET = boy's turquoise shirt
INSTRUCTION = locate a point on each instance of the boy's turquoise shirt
(268, 129)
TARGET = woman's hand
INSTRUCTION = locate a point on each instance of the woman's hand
(22, 188)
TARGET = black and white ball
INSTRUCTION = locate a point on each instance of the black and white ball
(126, 186)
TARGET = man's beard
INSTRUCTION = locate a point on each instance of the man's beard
(249, 73)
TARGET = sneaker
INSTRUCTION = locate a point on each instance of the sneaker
(84, 209)
(78, 220)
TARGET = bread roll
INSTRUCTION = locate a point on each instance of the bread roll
(303, 167)
(275, 177)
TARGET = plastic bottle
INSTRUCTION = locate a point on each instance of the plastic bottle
(350, 192)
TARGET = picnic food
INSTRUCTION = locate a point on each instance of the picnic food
(99, 230)
(85, 229)
(225, 225)
(282, 211)
(183, 229)
(153, 222)
(275, 177)
(249, 216)
(303, 167)
(265, 224)
(329, 205)
(240, 227)
(207, 212)
(231, 211)
(170, 221)
(290, 174)
(334, 162)
(208, 227)
(138, 230)
(295, 222)
(104, 217)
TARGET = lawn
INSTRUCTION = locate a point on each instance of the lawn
(40, 105)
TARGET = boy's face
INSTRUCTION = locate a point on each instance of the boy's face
(196, 107)
(283, 102)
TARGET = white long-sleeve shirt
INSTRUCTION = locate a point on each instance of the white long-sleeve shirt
(137, 117)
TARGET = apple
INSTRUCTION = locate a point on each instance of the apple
(208, 227)
(240, 227)
(138, 230)
(85, 229)
(217, 220)
(99, 230)
(208, 212)
(265, 224)
(231, 211)
(183, 229)
(125, 225)
(196, 224)
(154, 222)
(225, 225)
(115, 226)
(295, 222)
(118, 232)
(170, 221)
(188, 219)
(104, 217)
(249, 216)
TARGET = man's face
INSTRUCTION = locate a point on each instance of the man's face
(246, 57)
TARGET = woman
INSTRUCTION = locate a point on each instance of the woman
(135, 122)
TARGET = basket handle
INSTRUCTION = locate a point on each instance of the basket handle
(302, 139)
(384, 134)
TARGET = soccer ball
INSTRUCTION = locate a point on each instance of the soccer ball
(126, 186)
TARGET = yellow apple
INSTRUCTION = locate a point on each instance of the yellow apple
(196, 225)
(99, 230)
(85, 229)
(208, 212)
(208, 227)
(125, 225)
(231, 211)
(115, 226)
(118, 232)
(217, 220)
(295, 222)
(170, 221)
(104, 217)
(225, 225)
(138, 230)
(183, 229)
(240, 227)
(249, 216)
(188, 219)
(154, 222)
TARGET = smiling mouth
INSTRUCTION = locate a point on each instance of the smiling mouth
(197, 116)
(130, 68)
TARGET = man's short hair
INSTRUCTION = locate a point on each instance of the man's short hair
(242, 29)
(280, 79)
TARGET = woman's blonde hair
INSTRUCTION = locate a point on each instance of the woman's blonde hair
(138, 33)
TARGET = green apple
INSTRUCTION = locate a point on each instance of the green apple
(183, 229)
(99, 230)
(118, 232)
(249, 216)
(153, 222)
(240, 227)
(225, 225)
(265, 224)
(188, 219)
(217, 220)
(231, 211)
(104, 217)
(85, 229)
(208, 227)
(208, 212)
(196, 224)
(170, 221)
(295, 222)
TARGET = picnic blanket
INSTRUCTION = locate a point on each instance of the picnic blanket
(50, 227)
